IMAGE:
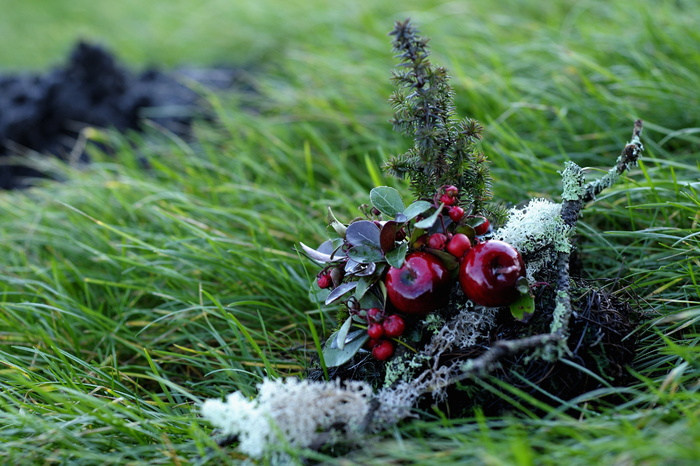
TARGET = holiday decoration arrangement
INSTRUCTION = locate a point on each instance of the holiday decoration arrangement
(438, 294)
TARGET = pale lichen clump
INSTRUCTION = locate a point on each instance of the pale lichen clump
(292, 411)
(423, 372)
(538, 232)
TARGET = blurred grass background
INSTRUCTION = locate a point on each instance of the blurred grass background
(127, 296)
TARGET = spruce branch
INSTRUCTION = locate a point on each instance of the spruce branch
(444, 148)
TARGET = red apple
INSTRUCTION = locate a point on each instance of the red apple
(420, 286)
(489, 273)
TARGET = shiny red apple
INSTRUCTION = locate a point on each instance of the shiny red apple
(489, 273)
(421, 285)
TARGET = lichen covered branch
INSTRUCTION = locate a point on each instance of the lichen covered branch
(629, 156)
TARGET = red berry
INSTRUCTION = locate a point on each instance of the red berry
(456, 213)
(324, 281)
(489, 273)
(383, 350)
(451, 191)
(394, 326)
(374, 314)
(483, 227)
(375, 331)
(447, 200)
(459, 245)
(371, 343)
(400, 235)
(437, 241)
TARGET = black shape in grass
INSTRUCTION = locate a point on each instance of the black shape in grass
(45, 112)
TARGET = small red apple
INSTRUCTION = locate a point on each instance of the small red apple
(420, 286)
(489, 273)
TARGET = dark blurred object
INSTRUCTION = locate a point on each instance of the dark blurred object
(45, 113)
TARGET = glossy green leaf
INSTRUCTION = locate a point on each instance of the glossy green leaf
(416, 209)
(366, 254)
(343, 333)
(395, 258)
(334, 356)
(523, 308)
(387, 200)
(363, 233)
(430, 221)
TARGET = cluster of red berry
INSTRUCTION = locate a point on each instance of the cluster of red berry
(418, 256)
(490, 271)
(381, 328)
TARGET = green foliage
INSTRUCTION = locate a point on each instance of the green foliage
(118, 285)
(444, 150)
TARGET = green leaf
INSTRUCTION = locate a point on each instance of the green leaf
(362, 233)
(339, 291)
(365, 254)
(363, 285)
(387, 200)
(336, 224)
(334, 356)
(316, 294)
(430, 221)
(343, 333)
(416, 209)
(396, 257)
(450, 261)
(524, 307)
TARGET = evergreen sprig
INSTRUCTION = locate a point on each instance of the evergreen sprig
(444, 150)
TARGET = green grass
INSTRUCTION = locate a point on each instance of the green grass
(127, 296)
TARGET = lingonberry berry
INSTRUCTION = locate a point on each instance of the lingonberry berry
(456, 213)
(383, 350)
(371, 343)
(447, 200)
(437, 241)
(375, 331)
(483, 227)
(400, 235)
(374, 314)
(324, 280)
(394, 326)
(459, 245)
(451, 191)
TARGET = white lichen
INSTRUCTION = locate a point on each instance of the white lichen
(538, 232)
(291, 410)
(572, 182)
(408, 383)
(396, 403)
